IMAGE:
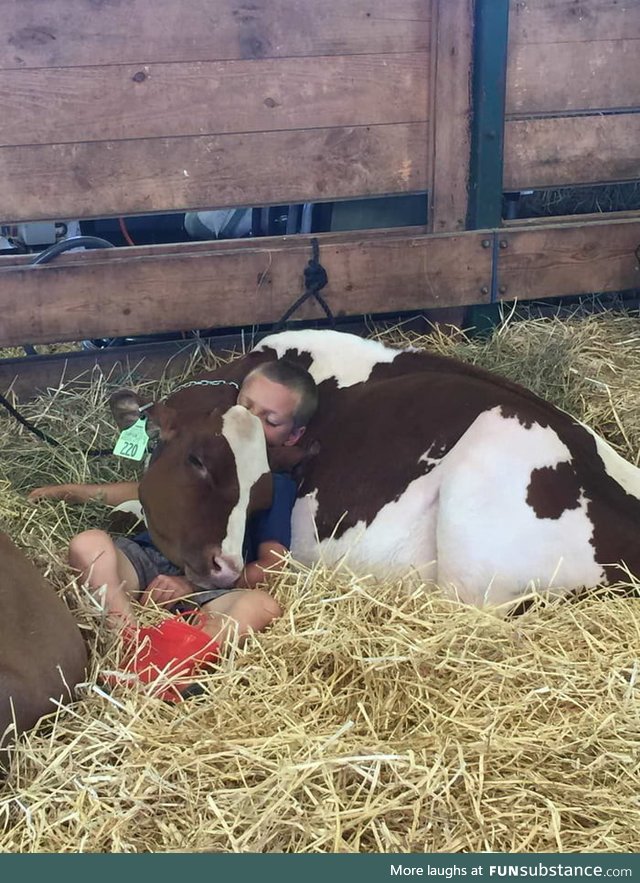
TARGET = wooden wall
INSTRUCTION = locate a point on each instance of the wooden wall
(111, 108)
(114, 108)
(573, 93)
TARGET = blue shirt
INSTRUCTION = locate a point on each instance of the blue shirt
(274, 523)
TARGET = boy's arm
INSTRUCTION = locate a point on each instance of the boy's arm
(112, 494)
(270, 555)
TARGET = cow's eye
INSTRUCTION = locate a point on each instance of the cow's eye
(197, 462)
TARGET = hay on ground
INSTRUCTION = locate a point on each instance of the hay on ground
(368, 719)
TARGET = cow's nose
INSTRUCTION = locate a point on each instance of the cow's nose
(224, 570)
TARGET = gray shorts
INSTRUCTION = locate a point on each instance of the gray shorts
(149, 563)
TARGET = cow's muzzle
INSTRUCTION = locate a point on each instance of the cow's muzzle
(223, 572)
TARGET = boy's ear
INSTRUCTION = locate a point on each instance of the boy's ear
(295, 435)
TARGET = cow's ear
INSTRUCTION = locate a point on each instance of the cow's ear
(261, 495)
(125, 406)
(162, 420)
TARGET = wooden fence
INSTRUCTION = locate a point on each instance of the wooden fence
(113, 108)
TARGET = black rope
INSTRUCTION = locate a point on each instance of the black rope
(44, 436)
(43, 258)
(34, 429)
(315, 279)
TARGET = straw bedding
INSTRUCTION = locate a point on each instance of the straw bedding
(367, 719)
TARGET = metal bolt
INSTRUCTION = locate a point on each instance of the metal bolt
(486, 243)
(484, 290)
(503, 289)
(504, 243)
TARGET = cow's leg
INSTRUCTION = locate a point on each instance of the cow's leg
(108, 573)
(493, 545)
(243, 611)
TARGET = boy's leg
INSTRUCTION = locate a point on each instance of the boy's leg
(241, 610)
(106, 569)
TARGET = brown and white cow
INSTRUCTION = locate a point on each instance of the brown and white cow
(426, 465)
(42, 654)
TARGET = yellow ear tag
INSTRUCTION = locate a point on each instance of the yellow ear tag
(132, 442)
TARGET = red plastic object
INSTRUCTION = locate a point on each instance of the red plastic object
(172, 650)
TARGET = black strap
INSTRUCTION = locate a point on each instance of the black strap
(315, 278)
(43, 436)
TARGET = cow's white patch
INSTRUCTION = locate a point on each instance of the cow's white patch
(466, 524)
(400, 539)
(245, 436)
(348, 358)
(620, 470)
(492, 546)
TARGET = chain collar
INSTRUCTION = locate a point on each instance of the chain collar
(194, 383)
(205, 383)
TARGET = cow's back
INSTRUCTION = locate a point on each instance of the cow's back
(432, 464)
(42, 654)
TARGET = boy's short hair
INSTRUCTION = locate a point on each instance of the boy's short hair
(297, 379)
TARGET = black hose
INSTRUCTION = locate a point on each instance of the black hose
(67, 244)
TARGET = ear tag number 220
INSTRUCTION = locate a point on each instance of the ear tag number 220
(132, 442)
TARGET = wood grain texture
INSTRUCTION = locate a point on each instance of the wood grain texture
(69, 33)
(566, 21)
(249, 282)
(99, 179)
(166, 100)
(561, 151)
(569, 259)
(451, 113)
(547, 78)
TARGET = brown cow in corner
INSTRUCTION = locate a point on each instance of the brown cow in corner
(42, 654)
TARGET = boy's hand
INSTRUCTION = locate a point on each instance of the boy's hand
(270, 558)
(166, 590)
(49, 492)
(112, 493)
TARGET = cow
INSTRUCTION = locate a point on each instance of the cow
(426, 467)
(42, 653)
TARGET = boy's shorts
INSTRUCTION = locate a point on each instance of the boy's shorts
(149, 563)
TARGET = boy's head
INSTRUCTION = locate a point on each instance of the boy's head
(283, 396)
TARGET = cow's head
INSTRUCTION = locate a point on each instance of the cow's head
(209, 471)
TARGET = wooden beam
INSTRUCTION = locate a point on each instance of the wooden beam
(116, 102)
(451, 114)
(70, 33)
(583, 76)
(560, 259)
(99, 179)
(566, 21)
(563, 151)
(251, 282)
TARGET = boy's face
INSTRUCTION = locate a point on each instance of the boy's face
(275, 405)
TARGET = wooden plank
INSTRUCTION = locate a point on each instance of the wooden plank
(69, 33)
(451, 114)
(565, 21)
(561, 259)
(130, 365)
(582, 76)
(66, 105)
(123, 365)
(571, 150)
(595, 217)
(99, 179)
(252, 283)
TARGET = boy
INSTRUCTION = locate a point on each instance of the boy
(284, 398)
